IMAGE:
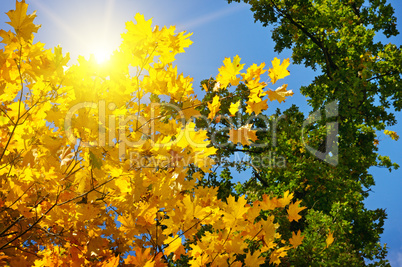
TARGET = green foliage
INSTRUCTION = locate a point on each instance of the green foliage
(363, 77)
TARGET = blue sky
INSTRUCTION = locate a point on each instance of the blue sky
(219, 30)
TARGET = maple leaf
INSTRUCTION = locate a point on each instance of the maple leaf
(214, 107)
(141, 257)
(257, 108)
(235, 245)
(253, 213)
(174, 244)
(199, 261)
(269, 233)
(254, 72)
(296, 239)
(268, 203)
(228, 72)
(234, 107)
(8, 37)
(139, 31)
(243, 135)
(280, 93)
(21, 22)
(293, 211)
(287, 197)
(277, 254)
(192, 209)
(235, 209)
(278, 71)
(329, 240)
(193, 138)
(254, 260)
(189, 110)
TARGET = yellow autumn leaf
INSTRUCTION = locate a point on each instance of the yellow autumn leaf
(234, 107)
(235, 209)
(214, 107)
(277, 254)
(243, 135)
(254, 73)
(228, 73)
(280, 93)
(139, 31)
(293, 211)
(287, 197)
(256, 107)
(254, 260)
(279, 71)
(296, 239)
(329, 240)
(268, 203)
(189, 110)
(191, 137)
(21, 22)
(141, 258)
(173, 243)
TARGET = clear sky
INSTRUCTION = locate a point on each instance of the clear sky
(219, 30)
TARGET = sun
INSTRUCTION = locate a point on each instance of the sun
(102, 54)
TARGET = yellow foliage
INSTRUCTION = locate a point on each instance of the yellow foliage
(91, 168)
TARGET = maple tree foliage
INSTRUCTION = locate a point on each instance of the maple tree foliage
(96, 160)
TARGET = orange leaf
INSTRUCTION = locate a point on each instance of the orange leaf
(254, 260)
(296, 239)
(141, 257)
(242, 135)
(293, 211)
